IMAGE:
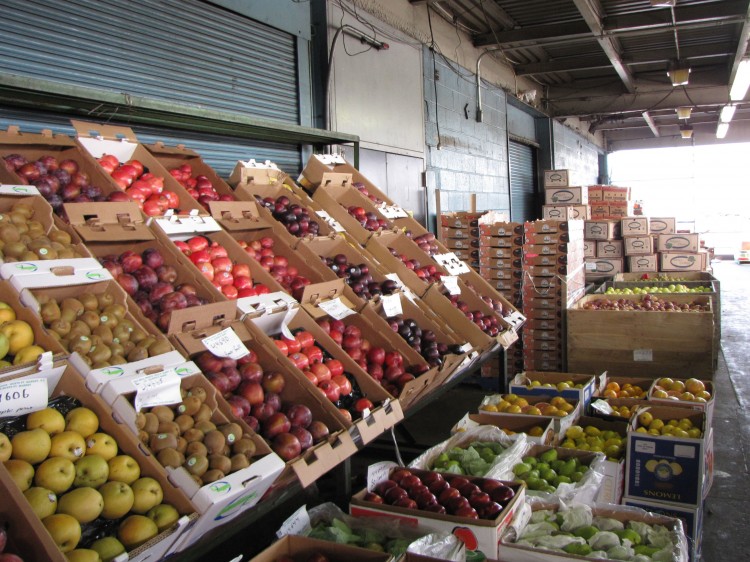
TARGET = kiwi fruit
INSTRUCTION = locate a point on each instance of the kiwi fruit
(104, 332)
(196, 448)
(68, 314)
(116, 348)
(140, 420)
(117, 359)
(72, 304)
(163, 413)
(170, 457)
(244, 446)
(80, 344)
(104, 300)
(182, 444)
(238, 462)
(91, 318)
(205, 426)
(214, 441)
(169, 427)
(227, 451)
(50, 312)
(100, 353)
(193, 434)
(79, 328)
(121, 333)
(137, 335)
(152, 423)
(184, 422)
(137, 354)
(232, 432)
(60, 327)
(116, 310)
(158, 347)
(89, 301)
(204, 413)
(60, 236)
(189, 406)
(219, 462)
(212, 476)
(197, 465)
(199, 392)
(159, 441)
(143, 437)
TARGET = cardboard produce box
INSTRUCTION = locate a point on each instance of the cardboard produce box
(643, 264)
(558, 178)
(565, 212)
(609, 249)
(531, 383)
(680, 261)
(612, 409)
(599, 211)
(248, 172)
(303, 548)
(639, 245)
(662, 225)
(634, 226)
(566, 195)
(539, 431)
(611, 193)
(666, 467)
(554, 237)
(613, 484)
(560, 423)
(491, 253)
(589, 248)
(460, 219)
(707, 406)
(678, 243)
(501, 241)
(553, 226)
(595, 193)
(601, 230)
(30, 536)
(604, 266)
(618, 210)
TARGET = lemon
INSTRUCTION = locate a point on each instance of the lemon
(574, 432)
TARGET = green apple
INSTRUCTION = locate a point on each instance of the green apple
(108, 548)
(136, 530)
(6, 449)
(65, 530)
(43, 502)
(68, 444)
(83, 555)
(85, 504)
(21, 472)
(91, 471)
(31, 446)
(147, 493)
(49, 419)
(118, 499)
(101, 444)
(164, 515)
(56, 474)
(124, 468)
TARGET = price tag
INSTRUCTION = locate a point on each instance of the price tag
(336, 309)
(226, 344)
(392, 305)
(603, 407)
(396, 278)
(392, 212)
(451, 262)
(298, 523)
(333, 223)
(590, 266)
(643, 355)
(23, 396)
(378, 472)
(157, 390)
(515, 319)
(450, 282)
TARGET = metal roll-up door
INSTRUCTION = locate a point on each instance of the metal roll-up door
(523, 202)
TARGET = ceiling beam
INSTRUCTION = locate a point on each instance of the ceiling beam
(651, 125)
(741, 47)
(646, 19)
(591, 10)
(534, 33)
(687, 52)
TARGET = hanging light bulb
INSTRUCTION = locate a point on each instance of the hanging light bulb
(686, 132)
(684, 112)
(678, 72)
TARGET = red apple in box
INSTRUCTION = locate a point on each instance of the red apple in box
(299, 415)
(313, 353)
(251, 372)
(273, 400)
(287, 446)
(330, 390)
(300, 360)
(292, 345)
(282, 347)
(322, 372)
(262, 412)
(318, 430)
(334, 366)
(276, 424)
(252, 392)
(303, 436)
(273, 382)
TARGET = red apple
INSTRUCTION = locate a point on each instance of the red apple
(276, 424)
(304, 437)
(318, 430)
(335, 367)
(252, 391)
(287, 446)
(345, 385)
(299, 415)
(252, 372)
(321, 372)
(273, 382)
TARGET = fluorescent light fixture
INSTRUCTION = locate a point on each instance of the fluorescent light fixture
(741, 81)
(686, 132)
(721, 130)
(662, 3)
(684, 112)
(678, 72)
(727, 112)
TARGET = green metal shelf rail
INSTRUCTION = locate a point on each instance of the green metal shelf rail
(35, 93)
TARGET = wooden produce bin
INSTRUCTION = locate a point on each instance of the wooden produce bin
(645, 343)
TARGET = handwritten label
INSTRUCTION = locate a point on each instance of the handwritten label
(643, 355)
(157, 390)
(392, 305)
(451, 262)
(392, 211)
(226, 344)
(335, 308)
(515, 319)
(378, 472)
(333, 223)
(298, 523)
(23, 396)
(450, 282)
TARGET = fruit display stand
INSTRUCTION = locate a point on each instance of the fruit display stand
(690, 393)
(649, 343)
(30, 533)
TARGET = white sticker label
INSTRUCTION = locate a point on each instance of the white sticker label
(336, 309)
(590, 266)
(8, 189)
(378, 472)
(684, 451)
(392, 212)
(158, 389)
(643, 355)
(648, 447)
(450, 282)
(392, 305)
(226, 344)
(451, 263)
(515, 319)
(23, 396)
(298, 523)
(330, 221)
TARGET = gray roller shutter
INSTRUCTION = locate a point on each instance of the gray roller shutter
(523, 203)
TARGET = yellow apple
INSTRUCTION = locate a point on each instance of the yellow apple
(56, 474)
(136, 530)
(82, 420)
(20, 334)
(4, 363)
(31, 446)
(28, 354)
(85, 504)
(6, 449)
(124, 468)
(7, 313)
(101, 444)
(65, 530)
(43, 501)
(68, 444)
(4, 345)
(49, 419)
(108, 548)
(92, 471)
(83, 555)
(118, 499)
(21, 472)
(148, 493)
(164, 515)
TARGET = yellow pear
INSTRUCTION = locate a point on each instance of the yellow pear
(136, 530)
(101, 444)
(83, 555)
(5, 447)
(147, 493)
(69, 445)
(108, 548)
(82, 420)
(118, 499)
(56, 474)
(21, 472)
(85, 504)
(49, 419)
(31, 446)
(65, 530)
(42, 501)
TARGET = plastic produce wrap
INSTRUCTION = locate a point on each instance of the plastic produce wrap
(598, 532)
(478, 466)
(444, 547)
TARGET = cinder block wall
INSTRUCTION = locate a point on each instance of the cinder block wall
(573, 151)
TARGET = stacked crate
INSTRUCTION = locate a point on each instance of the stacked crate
(553, 279)
(459, 231)
(562, 199)
(500, 263)
(608, 202)
(603, 249)
(677, 251)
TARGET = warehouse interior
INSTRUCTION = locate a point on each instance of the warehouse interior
(444, 105)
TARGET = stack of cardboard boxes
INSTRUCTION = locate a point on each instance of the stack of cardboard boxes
(608, 202)
(678, 251)
(603, 249)
(562, 200)
(459, 231)
(553, 279)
